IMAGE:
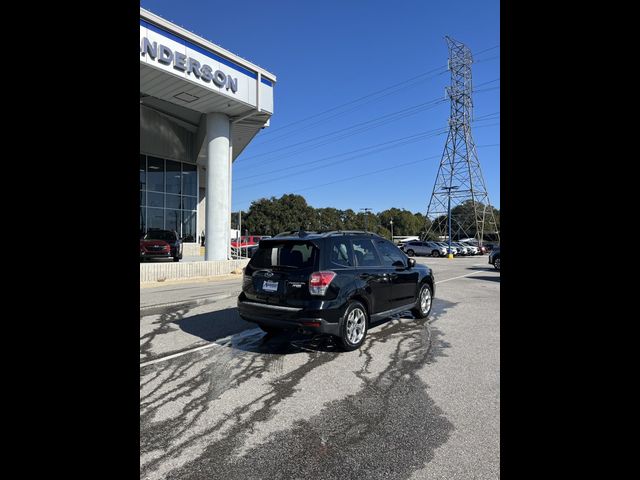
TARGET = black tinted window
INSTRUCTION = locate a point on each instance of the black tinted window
(290, 254)
(364, 252)
(340, 252)
(390, 253)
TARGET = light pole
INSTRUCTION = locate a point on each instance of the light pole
(391, 223)
(366, 218)
(448, 189)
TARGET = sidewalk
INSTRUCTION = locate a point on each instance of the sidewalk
(190, 292)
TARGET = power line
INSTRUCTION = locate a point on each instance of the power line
(410, 138)
(344, 132)
(442, 131)
(405, 111)
(373, 149)
(325, 119)
(369, 173)
(353, 101)
(271, 131)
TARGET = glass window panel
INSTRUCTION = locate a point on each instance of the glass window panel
(172, 201)
(142, 221)
(173, 220)
(155, 199)
(365, 253)
(390, 253)
(143, 172)
(155, 174)
(173, 177)
(189, 179)
(188, 226)
(143, 197)
(155, 218)
(189, 203)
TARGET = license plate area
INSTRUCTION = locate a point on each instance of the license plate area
(269, 286)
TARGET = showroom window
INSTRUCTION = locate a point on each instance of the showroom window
(168, 196)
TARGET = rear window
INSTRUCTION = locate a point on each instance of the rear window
(285, 254)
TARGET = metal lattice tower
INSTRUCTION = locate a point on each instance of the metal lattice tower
(459, 178)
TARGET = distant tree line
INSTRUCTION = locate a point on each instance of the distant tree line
(270, 216)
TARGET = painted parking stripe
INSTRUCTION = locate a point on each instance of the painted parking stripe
(462, 276)
(175, 355)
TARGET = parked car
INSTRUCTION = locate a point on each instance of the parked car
(454, 249)
(489, 246)
(247, 240)
(335, 283)
(473, 250)
(415, 247)
(158, 243)
(461, 248)
(494, 258)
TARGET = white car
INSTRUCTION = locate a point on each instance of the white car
(473, 250)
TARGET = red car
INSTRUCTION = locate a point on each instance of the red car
(154, 249)
(247, 241)
(158, 243)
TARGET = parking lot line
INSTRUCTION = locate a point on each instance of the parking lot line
(179, 354)
(461, 276)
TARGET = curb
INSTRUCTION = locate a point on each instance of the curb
(188, 303)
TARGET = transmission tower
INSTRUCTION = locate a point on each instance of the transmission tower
(459, 185)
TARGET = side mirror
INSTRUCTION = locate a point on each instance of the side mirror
(411, 263)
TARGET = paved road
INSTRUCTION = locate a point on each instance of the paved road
(220, 399)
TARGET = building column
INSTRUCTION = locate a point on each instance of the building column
(217, 206)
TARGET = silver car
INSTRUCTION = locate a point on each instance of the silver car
(415, 247)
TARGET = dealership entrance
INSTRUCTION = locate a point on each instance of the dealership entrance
(200, 106)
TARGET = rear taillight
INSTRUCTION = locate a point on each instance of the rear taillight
(319, 282)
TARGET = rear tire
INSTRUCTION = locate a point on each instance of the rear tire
(496, 263)
(410, 253)
(176, 259)
(354, 326)
(435, 253)
(424, 302)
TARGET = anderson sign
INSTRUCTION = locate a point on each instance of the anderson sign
(166, 56)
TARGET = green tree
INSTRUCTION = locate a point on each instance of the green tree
(274, 215)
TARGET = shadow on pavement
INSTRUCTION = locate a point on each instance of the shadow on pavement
(387, 430)
(488, 279)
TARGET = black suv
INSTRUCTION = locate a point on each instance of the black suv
(332, 282)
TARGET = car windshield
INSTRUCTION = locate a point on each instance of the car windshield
(160, 235)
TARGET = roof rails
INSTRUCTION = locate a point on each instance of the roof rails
(304, 233)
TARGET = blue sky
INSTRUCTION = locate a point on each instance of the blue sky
(327, 54)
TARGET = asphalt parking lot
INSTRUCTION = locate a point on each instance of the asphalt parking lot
(421, 399)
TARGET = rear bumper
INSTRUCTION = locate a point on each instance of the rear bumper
(325, 320)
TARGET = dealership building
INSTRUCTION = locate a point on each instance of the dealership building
(200, 106)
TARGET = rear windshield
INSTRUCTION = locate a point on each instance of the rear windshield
(285, 254)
